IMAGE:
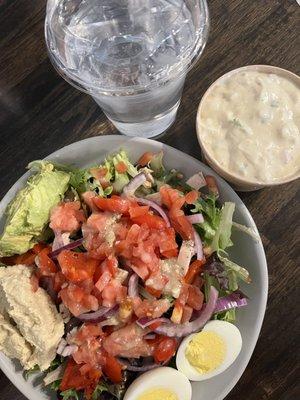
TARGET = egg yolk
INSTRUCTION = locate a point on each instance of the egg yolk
(158, 394)
(206, 351)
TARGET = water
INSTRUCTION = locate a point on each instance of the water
(130, 55)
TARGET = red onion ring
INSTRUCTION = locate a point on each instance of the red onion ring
(195, 218)
(133, 290)
(134, 184)
(198, 245)
(70, 246)
(176, 330)
(145, 322)
(99, 315)
(155, 207)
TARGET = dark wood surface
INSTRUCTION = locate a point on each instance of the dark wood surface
(40, 113)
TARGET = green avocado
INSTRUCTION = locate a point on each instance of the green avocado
(28, 213)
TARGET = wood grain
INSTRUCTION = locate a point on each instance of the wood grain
(40, 113)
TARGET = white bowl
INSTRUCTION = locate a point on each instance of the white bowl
(242, 184)
(245, 251)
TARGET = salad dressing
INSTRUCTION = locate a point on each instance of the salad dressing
(250, 123)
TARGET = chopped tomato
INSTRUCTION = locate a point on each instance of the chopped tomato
(180, 223)
(128, 342)
(114, 204)
(77, 300)
(59, 280)
(193, 271)
(165, 349)
(212, 184)
(121, 167)
(88, 199)
(179, 305)
(145, 158)
(138, 211)
(67, 217)
(191, 197)
(46, 264)
(187, 314)
(113, 369)
(101, 175)
(152, 221)
(74, 379)
(76, 266)
(113, 293)
(150, 308)
(195, 298)
(154, 292)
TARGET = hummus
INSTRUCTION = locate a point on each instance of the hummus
(30, 325)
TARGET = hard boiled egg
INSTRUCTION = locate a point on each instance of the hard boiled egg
(206, 354)
(160, 383)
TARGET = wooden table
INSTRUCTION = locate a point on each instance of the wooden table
(40, 113)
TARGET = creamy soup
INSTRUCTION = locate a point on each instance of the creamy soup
(249, 124)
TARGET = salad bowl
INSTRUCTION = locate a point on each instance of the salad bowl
(246, 252)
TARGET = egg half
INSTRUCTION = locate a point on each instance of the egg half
(206, 354)
(161, 383)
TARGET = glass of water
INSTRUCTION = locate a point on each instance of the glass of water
(131, 56)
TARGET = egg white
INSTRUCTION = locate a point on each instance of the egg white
(232, 339)
(162, 377)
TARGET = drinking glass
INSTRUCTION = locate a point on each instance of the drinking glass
(131, 56)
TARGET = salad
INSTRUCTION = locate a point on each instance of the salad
(116, 282)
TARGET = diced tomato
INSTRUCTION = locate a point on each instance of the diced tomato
(113, 369)
(150, 308)
(179, 305)
(191, 197)
(212, 184)
(121, 167)
(152, 221)
(165, 349)
(76, 266)
(27, 258)
(88, 199)
(74, 379)
(195, 298)
(101, 175)
(128, 342)
(169, 196)
(46, 264)
(145, 158)
(67, 217)
(86, 332)
(140, 268)
(154, 292)
(187, 314)
(77, 300)
(113, 293)
(138, 211)
(103, 281)
(59, 280)
(193, 271)
(180, 223)
(114, 204)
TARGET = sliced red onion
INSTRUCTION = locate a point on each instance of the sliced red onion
(195, 218)
(70, 246)
(156, 197)
(145, 321)
(99, 315)
(134, 184)
(61, 345)
(53, 376)
(186, 252)
(180, 330)
(133, 290)
(198, 245)
(233, 300)
(60, 240)
(155, 207)
(68, 350)
(196, 181)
